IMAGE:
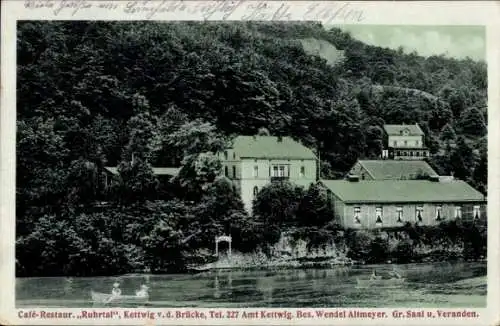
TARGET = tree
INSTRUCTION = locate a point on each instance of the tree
(137, 181)
(197, 174)
(144, 138)
(276, 206)
(480, 175)
(374, 141)
(448, 133)
(315, 209)
(471, 122)
(462, 160)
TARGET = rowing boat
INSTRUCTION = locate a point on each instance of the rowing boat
(106, 298)
(381, 282)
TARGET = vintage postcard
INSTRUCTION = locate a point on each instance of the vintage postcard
(249, 162)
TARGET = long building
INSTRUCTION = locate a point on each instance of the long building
(391, 203)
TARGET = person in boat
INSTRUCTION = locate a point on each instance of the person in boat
(374, 276)
(143, 292)
(116, 292)
(394, 273)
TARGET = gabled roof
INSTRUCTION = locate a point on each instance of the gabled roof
(396, 169)
(403, 191)
(156, 171)
(270, 147)
(394, 130)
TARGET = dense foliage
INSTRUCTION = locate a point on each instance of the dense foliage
(141, 94)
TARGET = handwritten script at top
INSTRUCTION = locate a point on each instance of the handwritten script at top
(326, 12)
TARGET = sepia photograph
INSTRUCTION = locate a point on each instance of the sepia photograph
(250, 164)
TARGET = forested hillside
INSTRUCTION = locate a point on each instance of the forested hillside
(92, 94)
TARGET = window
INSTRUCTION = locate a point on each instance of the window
(362, 176)
(398, 153)
(378, 214)
(255, 171)
(406, 143)
(302, 171)
(439, 213)
(234, 155)
(477, 212)
(399, 212)
(395, 143)
(255, 192)
(357, 213)
(425, 154)
(225, 155)
(418, 214)
(234, 171)
(458, 212)
(226, 171)
(279, 171)
(411, 153)
(417, 154)
(416, 142)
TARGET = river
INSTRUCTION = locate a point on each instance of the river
(446, 284)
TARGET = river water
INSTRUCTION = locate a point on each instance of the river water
(428, 285)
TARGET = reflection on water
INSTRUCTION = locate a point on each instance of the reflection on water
(438, 284)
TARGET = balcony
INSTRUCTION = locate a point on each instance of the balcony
(279, 179)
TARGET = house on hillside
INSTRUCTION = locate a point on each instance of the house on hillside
(163, 173)
(392, 170)
(392, 203)
(252, 162)
(404, 142)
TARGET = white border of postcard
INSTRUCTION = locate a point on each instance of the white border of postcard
(486, 13)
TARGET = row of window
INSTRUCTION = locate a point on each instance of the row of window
(418, 213)
(274, 171)
(395, 143)
(411, 153)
